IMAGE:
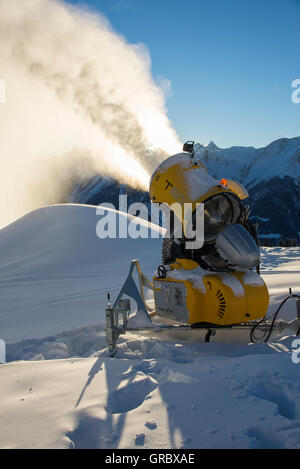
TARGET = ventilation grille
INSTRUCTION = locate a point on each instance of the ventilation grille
(219, 211)
(221, 308)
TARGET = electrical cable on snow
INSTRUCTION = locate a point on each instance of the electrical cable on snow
(274, 317)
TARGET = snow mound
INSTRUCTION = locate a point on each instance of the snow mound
(55, 272)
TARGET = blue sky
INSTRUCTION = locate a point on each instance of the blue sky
(230, 63)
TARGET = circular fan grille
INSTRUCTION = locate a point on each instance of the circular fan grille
(219, 211)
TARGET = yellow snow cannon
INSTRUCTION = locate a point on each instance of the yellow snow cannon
(213, 292)
(219, 283)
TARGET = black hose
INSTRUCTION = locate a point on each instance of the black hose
(273, 320)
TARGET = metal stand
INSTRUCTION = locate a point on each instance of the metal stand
(122, 306)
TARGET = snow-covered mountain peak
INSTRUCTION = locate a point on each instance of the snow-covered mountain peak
(279, 158)
(211, 146)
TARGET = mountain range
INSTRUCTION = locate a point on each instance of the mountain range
(271, 175)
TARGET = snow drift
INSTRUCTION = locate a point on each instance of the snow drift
(55, 272)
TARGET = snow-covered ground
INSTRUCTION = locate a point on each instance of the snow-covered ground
(55, 272)
(60, 389)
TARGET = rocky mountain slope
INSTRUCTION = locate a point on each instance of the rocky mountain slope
(271, 175)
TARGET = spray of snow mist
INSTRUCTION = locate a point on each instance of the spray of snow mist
(80, 101)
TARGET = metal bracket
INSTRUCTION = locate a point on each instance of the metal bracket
(122, 306)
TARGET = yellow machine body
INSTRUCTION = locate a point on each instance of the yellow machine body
(235, 187)
(182, 179)
(191, 295)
